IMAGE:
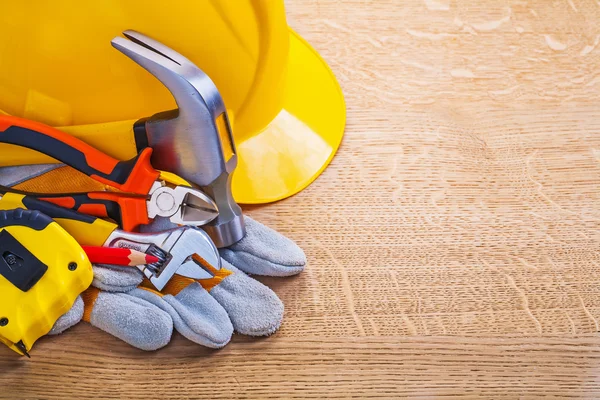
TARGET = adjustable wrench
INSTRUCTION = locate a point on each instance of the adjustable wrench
(184, 251)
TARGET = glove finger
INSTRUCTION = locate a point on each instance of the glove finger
(10, 176)
(264, 251)
(135, 321)
(113, 278)
(196, 315)
(253, 308)
(70, 319)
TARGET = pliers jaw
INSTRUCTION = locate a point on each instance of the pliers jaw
(182, 205)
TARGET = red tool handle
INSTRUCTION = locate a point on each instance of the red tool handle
(133, 176)
(128, 211)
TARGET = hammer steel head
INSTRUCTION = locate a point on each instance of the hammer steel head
(187, 133)
(195, 141)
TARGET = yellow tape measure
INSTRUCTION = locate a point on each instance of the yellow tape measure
(42, 271)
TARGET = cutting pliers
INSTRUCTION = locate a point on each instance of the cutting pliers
(141, 192)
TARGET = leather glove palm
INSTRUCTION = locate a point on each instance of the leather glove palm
(205, 312)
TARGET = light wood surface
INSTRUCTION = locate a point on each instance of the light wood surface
(453, 242)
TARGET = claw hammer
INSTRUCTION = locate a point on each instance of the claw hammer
(194, 141)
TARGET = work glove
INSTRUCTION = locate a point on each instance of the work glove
(124, 306)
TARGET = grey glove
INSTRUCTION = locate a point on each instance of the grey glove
(265, 252)
(145, 319)
(253, 308)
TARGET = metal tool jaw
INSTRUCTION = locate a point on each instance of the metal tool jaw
(182, 205)
(195, 141)
(182, 251)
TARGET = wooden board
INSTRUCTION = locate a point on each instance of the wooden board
(453, 243)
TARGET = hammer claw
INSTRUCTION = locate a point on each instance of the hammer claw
(195, 141)
(186, 82)
(157, 47)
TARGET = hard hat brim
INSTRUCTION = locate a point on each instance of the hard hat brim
(295, 148)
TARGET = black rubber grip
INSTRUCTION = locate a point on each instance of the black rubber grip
(113, 209)
(29, 218)
(54, 211)
(64, 153)
(140, 134)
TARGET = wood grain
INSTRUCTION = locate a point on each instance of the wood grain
(359, 367)
(453, 242)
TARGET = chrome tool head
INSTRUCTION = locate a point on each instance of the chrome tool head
(186, 251)
(199, 104)
(182, 205)
(195, 141)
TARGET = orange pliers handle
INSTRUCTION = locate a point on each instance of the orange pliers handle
(127, 211)
(133, 176)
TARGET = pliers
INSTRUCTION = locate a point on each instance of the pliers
(142, 192)
(185, 251)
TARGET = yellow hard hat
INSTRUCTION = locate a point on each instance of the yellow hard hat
(57, 66)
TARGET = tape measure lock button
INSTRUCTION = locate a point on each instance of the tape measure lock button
(17, 264)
